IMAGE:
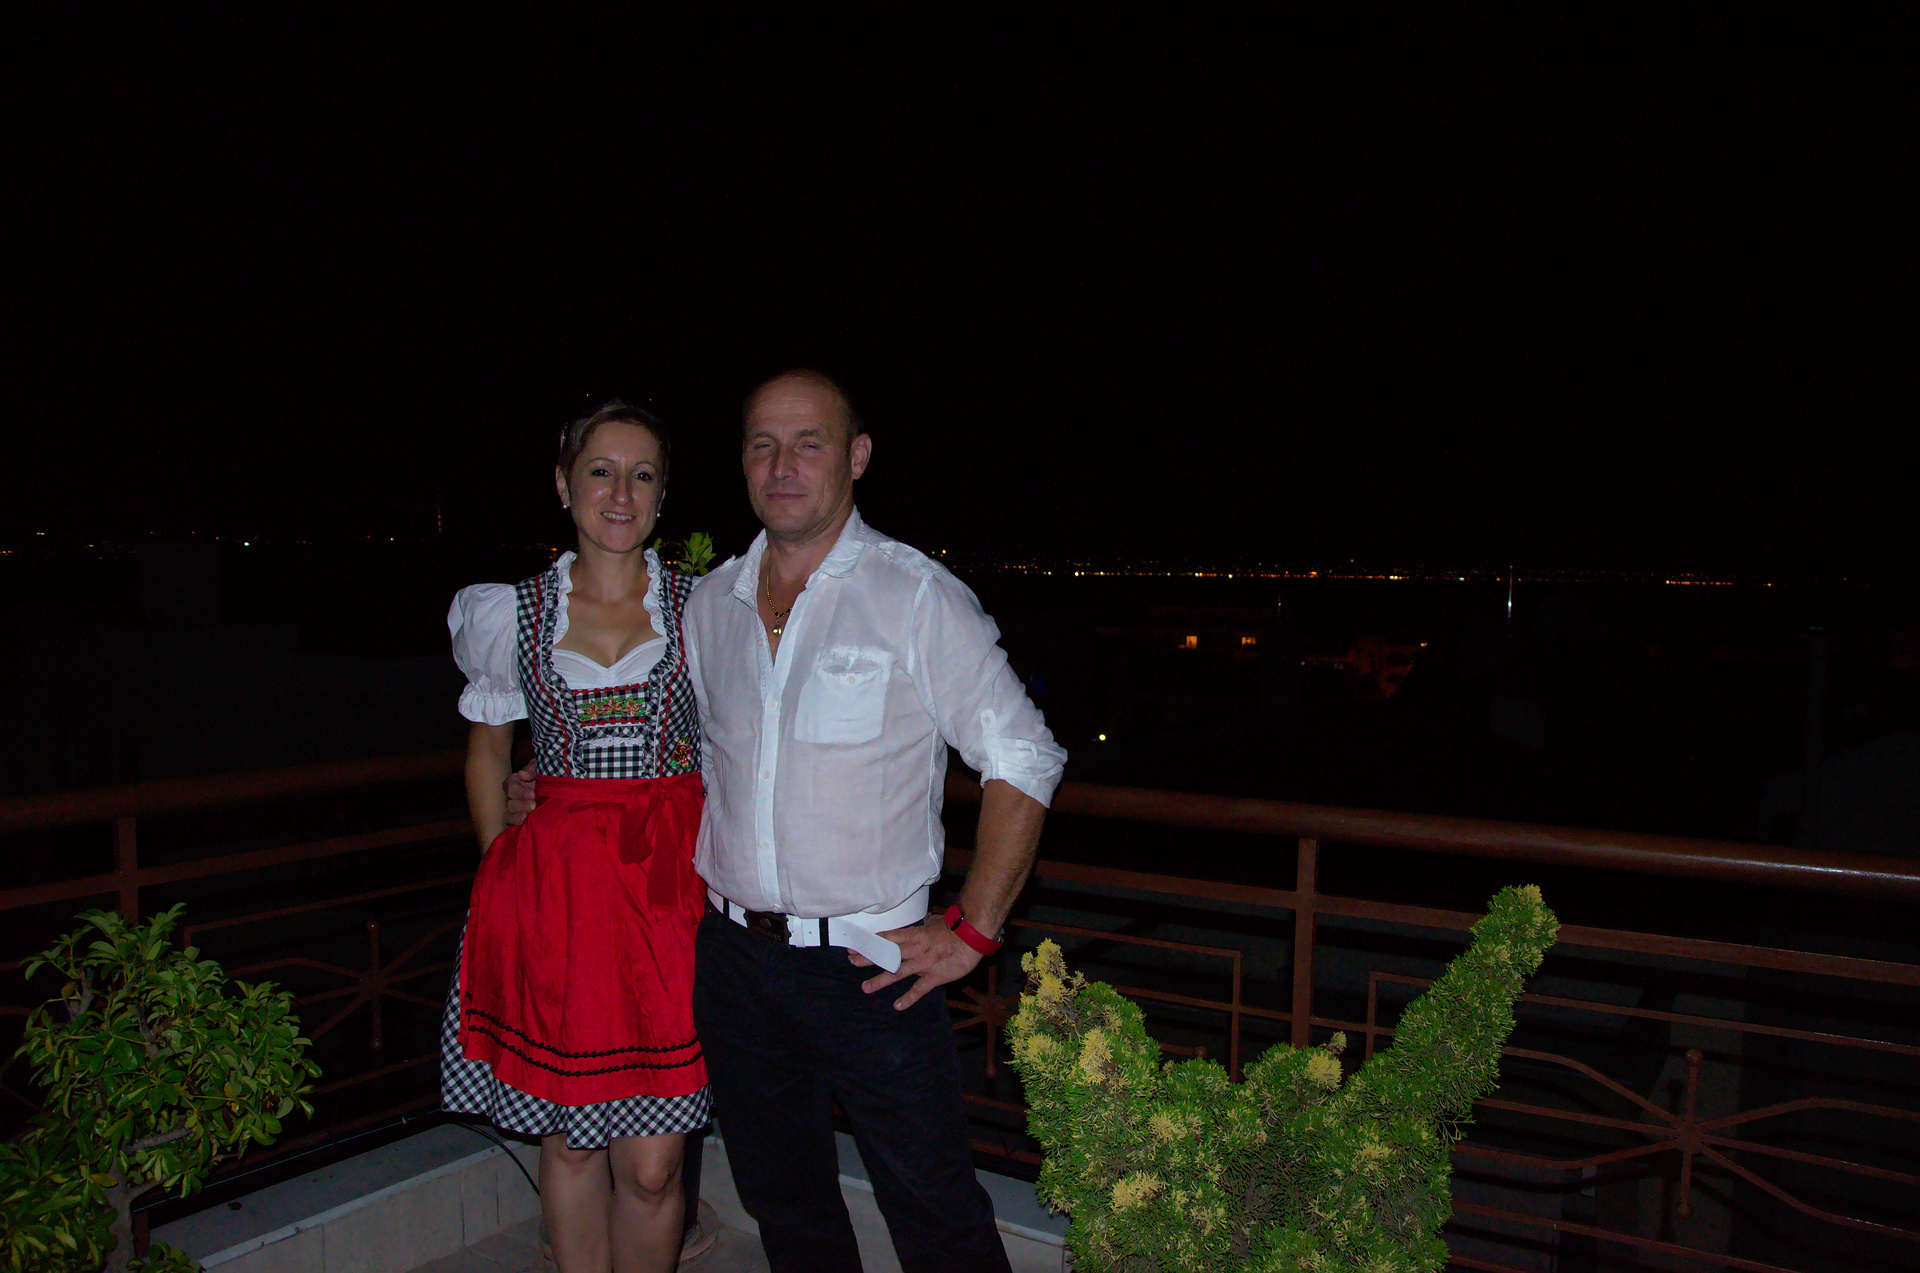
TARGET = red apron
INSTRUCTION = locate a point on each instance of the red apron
(576, 978)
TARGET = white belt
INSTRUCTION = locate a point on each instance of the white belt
(858, 931)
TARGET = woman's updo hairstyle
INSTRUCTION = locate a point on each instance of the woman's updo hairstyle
(573, 437)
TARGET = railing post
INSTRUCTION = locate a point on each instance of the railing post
(1689, 1138)
(1304, 904)
(1233, 1025)
(1373, 1012)
(374, 983)
(993, 1031)
(126, 868)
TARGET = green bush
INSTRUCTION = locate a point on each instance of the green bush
(155, 1068)
(1173, 1167)
(51, 1213)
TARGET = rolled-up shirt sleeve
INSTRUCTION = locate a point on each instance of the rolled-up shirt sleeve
(978, 703)
(483, 624)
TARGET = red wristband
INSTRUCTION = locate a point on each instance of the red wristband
(968, 933)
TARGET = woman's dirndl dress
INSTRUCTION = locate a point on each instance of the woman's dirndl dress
(571, 1008)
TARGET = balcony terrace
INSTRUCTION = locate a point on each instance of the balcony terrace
(1724, 1076)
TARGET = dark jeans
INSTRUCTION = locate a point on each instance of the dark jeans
(786, 1032)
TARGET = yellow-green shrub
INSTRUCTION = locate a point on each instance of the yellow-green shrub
(1173, 1168)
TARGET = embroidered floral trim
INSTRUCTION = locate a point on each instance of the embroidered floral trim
(620, 707)
(619, 731)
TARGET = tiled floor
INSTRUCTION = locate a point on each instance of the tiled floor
(517, 1250)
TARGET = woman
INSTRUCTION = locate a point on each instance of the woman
(570, 1017)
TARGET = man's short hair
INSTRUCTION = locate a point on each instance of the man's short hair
(848, 416)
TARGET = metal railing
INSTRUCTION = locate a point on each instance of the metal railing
(1609, 1128)
(1582, 1127)
(226, 875)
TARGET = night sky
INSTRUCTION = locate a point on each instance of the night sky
(1630, 287)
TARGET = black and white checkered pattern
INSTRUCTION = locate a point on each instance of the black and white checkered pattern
(469, 1087)
(648, 730)
(660, 740)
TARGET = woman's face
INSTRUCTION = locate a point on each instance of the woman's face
(615, 487)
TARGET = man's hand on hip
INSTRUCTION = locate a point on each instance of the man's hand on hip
(519, 796)
(930, 951)
(1004, 847)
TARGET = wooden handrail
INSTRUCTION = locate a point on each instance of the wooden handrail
(1434, 833)
(171, 795)
(1430, 833)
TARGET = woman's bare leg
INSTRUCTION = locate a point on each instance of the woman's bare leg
(574, 1197)
(645, 1220)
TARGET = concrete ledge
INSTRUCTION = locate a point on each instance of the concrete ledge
(386, 1211)
(404, 1205)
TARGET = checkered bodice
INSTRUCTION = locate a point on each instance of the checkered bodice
(650, 729)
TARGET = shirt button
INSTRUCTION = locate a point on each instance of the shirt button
(765, 774)
(849, 680)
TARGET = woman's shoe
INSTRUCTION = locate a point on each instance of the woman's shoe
(702, 1237)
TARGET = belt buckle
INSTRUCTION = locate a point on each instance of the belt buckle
(767, 924)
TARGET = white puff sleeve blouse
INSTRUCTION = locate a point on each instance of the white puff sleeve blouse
(482, 621)
(484, 624)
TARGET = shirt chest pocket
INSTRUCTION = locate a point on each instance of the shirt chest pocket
(845, 698)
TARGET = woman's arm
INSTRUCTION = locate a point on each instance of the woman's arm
(489, 760)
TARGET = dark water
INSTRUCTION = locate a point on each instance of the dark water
(1615, 704)
(1622, 705)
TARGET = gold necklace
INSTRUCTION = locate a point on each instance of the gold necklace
(779, 615)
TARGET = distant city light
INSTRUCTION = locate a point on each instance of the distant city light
(1101, 737)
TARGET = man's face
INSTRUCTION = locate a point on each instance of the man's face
(800, 466)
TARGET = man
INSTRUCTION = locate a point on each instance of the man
(833, 666)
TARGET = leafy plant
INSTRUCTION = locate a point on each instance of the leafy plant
(165, 1259)
(155, 1069)
(51, 1213)
(1167, 1167)
(693, 556)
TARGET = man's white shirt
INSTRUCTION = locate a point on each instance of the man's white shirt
(826, 766)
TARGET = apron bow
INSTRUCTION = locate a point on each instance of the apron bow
(650, 826)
